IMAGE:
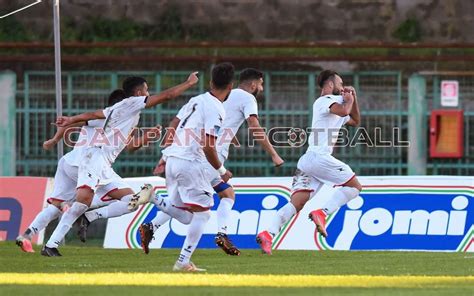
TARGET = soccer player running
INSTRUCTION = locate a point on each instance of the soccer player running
(335, 107)
(240, 106)
(95, 165)
(188, 173)
(65, 179)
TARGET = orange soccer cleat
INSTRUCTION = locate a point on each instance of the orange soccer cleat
(319, 218)
(264, 239)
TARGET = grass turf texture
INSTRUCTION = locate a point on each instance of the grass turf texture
(398, 272)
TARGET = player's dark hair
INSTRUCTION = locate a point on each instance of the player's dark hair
(130, 84)
(115, 97)
(222, 75)
(249, 74)
(325, 76)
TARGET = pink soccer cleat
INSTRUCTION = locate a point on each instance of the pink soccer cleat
(319, 218)
(24, 244)
(264, 239)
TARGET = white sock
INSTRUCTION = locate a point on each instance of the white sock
(282, 216)
(68, 218)
(195, 230)
(115, 209)
(42, 220)
(164, 205)
(224, 211)
(340, 197)
(160, 219)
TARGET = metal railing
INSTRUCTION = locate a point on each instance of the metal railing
(286, 102)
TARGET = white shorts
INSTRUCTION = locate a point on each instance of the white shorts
(188, 183)
(314, 170)
(94, 170)
(66, 179)
(101, 198)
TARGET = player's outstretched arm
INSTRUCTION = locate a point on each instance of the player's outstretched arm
(209, 149)
(355, 113)
(173, 92)
(260, 136)
(60, 132)
(63, 121)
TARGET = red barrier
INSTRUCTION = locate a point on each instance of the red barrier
(21, 198)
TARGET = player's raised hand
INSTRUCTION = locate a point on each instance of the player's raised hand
(350, 89)
(193, 78)
(63, 121)
(347, 96)
(277, 160)
(226, 176)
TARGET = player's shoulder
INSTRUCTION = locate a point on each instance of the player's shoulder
(129, 102)
(241, 94)
(322, 100)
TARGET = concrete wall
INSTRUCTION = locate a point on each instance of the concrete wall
(446, 20)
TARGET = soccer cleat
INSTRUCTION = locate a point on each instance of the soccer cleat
(319, 218)
(140, 198)
(24, 244)
(50, 252)
(83, 225)
(189, 267)
(146, 236)
(223, 242)
(264, 239)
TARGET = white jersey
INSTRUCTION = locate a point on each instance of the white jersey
(203, 114)
(239, 106)
(325, 125)
(120, 119)
(86, 135)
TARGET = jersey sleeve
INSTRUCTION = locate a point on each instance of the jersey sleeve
(250, 107)
(213, 120)
(132, 105)
(96, 122)
(324, 104)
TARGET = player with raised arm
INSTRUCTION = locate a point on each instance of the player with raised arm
(102, 207)
(335, 107)
(65, 179)
(95, 165)
(188, 174)
(240, 106)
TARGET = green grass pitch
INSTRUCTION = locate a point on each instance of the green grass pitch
(86, 259)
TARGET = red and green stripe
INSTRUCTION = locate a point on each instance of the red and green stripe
(396, 189)
(130, 236)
